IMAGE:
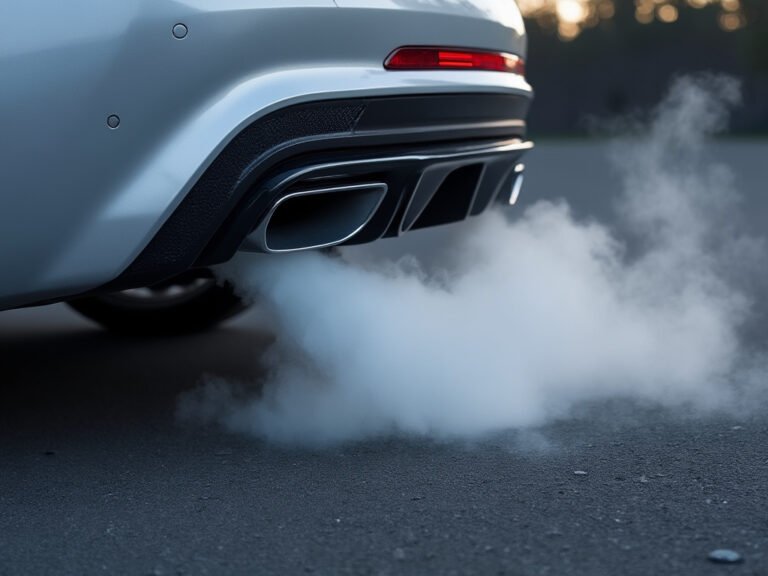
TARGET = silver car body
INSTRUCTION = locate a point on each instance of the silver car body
(80, 199)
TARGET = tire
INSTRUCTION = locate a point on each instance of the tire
(191, 303)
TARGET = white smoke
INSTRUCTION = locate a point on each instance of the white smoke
(526, 319)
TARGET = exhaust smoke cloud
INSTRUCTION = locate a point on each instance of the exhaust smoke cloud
(519, 320)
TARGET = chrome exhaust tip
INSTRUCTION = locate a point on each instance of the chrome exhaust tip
(316, 218)
(518, 178)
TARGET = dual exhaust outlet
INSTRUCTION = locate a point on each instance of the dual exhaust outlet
(324, 216)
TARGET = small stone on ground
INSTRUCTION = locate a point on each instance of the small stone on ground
(724, 556)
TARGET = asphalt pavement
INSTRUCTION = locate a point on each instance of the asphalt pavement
(98, 477)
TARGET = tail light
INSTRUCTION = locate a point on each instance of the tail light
(420, 58)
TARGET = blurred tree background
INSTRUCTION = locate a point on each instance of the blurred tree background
(602, 58)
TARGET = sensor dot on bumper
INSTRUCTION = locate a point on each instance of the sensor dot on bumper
(180, 31)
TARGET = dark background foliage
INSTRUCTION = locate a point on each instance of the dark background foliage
(620, 66)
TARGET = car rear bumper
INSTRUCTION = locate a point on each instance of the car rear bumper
(440, 158)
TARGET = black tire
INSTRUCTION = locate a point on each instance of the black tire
(191, 303)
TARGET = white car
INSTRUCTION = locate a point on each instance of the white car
(144, 141)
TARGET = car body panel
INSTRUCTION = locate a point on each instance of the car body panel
(79, 200)
(505, 12)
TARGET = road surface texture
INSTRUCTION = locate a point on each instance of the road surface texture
(97, 477)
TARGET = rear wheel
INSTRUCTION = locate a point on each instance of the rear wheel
(193, 302)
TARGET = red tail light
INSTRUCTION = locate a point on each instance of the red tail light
(418, 58)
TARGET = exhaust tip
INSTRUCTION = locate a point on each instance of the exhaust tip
(317, 218)
(518, 178)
